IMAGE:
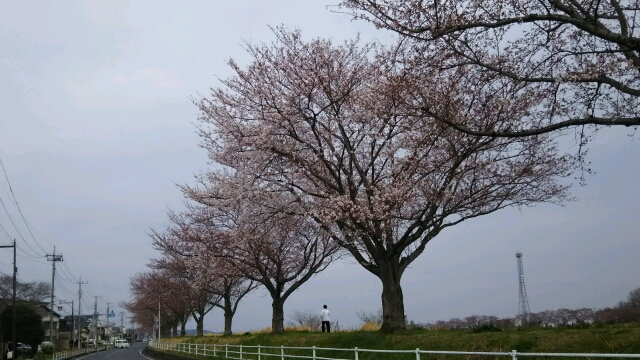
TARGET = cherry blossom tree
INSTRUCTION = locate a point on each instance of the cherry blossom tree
(336, 128)
(183, 245)
(200, 300)
(263, 237)
(153, 288)
(140, 314)
(581, 57)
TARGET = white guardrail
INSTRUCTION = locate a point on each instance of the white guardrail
(256, 352)
(75, 352)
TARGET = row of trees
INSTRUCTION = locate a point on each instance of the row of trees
(34, 291)
(625, 312)
(321, 150)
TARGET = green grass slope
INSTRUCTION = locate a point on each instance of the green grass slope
(594, 339)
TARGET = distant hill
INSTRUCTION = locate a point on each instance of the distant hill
(193, 332)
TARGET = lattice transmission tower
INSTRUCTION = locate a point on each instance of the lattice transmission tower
(523, 301)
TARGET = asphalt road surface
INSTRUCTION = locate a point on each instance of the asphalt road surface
(131, 353)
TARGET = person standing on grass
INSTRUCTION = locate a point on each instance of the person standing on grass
(325, 319)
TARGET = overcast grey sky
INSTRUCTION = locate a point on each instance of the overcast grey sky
(96, 128)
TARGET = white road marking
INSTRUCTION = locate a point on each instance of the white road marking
(144, 356)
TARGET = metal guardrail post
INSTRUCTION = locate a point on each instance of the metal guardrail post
(514, 355)
(258, 352)
(281, 352)
(417, 354)
(240, 352)
(214, 350)
(314, 353)
(355, 350)
(226, 351)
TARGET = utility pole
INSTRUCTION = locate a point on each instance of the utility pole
(53, 258)
(13, 300)
(95, 323)
(73, 320)
(159, 321)
(134, 336)
(79, 313)
(107, 326)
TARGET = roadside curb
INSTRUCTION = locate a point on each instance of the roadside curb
(161, 355)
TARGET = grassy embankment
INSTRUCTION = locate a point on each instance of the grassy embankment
(594, 339)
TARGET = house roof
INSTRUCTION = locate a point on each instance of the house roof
(85, 320)
(42, 308)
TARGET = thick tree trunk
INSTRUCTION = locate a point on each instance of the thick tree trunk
(228, 315)
(392, 299)
(166, 331)
(277, 320)
(200, 326)
(183, 328)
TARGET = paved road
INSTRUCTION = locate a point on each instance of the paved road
(132, 353)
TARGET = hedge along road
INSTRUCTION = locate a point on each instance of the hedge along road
(131, 353)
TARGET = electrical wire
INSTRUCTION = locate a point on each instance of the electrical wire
(65, 290)
(68, 270)
(67, 274)
(108, 287)
(5, 231)
(90, 290)
(18, 206)
(15, 227)
(29, 258)
(29, 255)
(66, 278)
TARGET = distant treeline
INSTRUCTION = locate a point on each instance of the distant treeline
(625, 312)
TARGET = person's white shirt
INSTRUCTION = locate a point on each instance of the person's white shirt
(325, 315)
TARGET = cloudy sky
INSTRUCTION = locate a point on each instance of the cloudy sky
(96, 128)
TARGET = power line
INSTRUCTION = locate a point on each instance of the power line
(66, 279)
(15, 227)
(68, 272)
(29, 255)
(109, 287)
(71, 280)
(5, 231)
(18, 206)
(3, 189)
(31, 260)
(91, 290)
(67, 292)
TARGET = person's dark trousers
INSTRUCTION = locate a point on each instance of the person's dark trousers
(328, 325)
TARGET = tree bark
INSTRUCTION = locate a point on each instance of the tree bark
(277, 320)
(183, 328)
(228, 315)
(200, 326)
(165, 330)
(174, 330)
(392, 298)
